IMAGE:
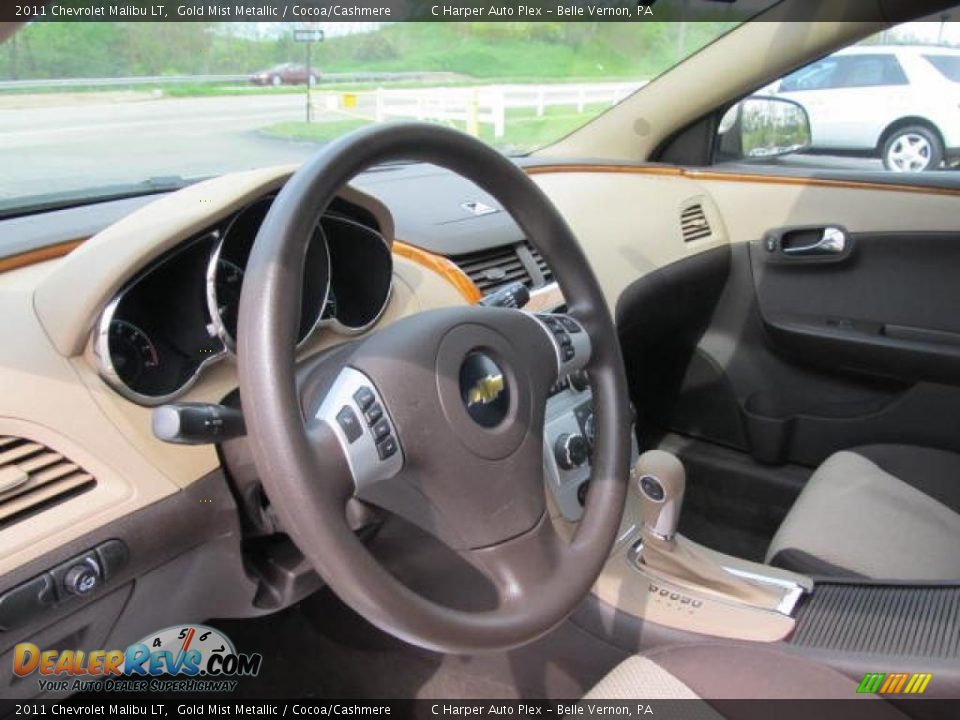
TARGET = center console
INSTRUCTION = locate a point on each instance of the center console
(658, 576)
(568, 443)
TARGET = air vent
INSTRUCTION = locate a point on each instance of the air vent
(694, 224)
(541, 263)
(33, 477)
(489, 269)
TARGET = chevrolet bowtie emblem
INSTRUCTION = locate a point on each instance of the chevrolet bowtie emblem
(485, 391)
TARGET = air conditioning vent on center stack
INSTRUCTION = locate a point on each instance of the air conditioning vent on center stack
(541, 263)
(694, 224)
(491, 268)
(33, 477)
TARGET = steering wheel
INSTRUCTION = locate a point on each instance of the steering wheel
(437, 417)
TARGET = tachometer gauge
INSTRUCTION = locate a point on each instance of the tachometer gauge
(132, 352)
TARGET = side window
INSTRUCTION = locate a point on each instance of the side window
(870, 71)
(947, 65)
(885, 105)
(818, 76)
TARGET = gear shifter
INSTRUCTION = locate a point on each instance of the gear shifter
(661, 479)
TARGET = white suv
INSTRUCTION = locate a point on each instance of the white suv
(898, 103)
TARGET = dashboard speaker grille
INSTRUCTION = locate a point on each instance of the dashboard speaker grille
(491, 268)
(33, 477)
(694, 224)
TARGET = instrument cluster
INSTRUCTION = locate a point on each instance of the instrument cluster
(180, 314)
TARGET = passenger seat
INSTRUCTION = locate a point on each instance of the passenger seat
(887, 512)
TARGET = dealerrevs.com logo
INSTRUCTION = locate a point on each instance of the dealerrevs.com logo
(185, 658)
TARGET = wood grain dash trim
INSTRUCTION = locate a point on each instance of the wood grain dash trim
(723, 176)
(601, 168)
(444, 267)
(718, 176)
(32, 257)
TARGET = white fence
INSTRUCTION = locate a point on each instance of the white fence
(474, 106)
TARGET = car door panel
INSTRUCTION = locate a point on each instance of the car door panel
(801, 359)
(887, 309)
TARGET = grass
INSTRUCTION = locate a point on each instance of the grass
(480, 52)
(523, 130)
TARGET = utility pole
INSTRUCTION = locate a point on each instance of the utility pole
(308, 36)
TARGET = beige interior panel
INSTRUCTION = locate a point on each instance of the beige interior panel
(42, 399)
(629, 223)
(751, 208)
(622, 586)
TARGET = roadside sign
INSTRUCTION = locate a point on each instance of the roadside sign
(308, 35)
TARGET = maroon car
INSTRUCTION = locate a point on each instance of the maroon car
(285, 74)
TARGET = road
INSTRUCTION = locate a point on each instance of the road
(62, 143)
(53, 148)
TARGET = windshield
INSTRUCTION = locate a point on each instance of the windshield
(98, 108)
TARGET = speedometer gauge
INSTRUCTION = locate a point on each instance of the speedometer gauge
(132, 352)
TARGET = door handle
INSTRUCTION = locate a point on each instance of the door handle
(831, 241)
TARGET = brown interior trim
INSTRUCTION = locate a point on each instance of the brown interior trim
(817, 182)
(39, 255)
(443, 267)
(720, 175)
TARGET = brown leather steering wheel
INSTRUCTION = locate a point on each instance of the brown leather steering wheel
(437, 417)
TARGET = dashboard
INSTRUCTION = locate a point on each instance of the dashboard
(180, 314)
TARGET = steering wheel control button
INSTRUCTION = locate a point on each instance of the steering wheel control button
(380, 429)
(351, 402)
(364, 398)
(387, 447)
(571, 343)
(652, 488)
(349, 423)
(373, 413)
(484, 390)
